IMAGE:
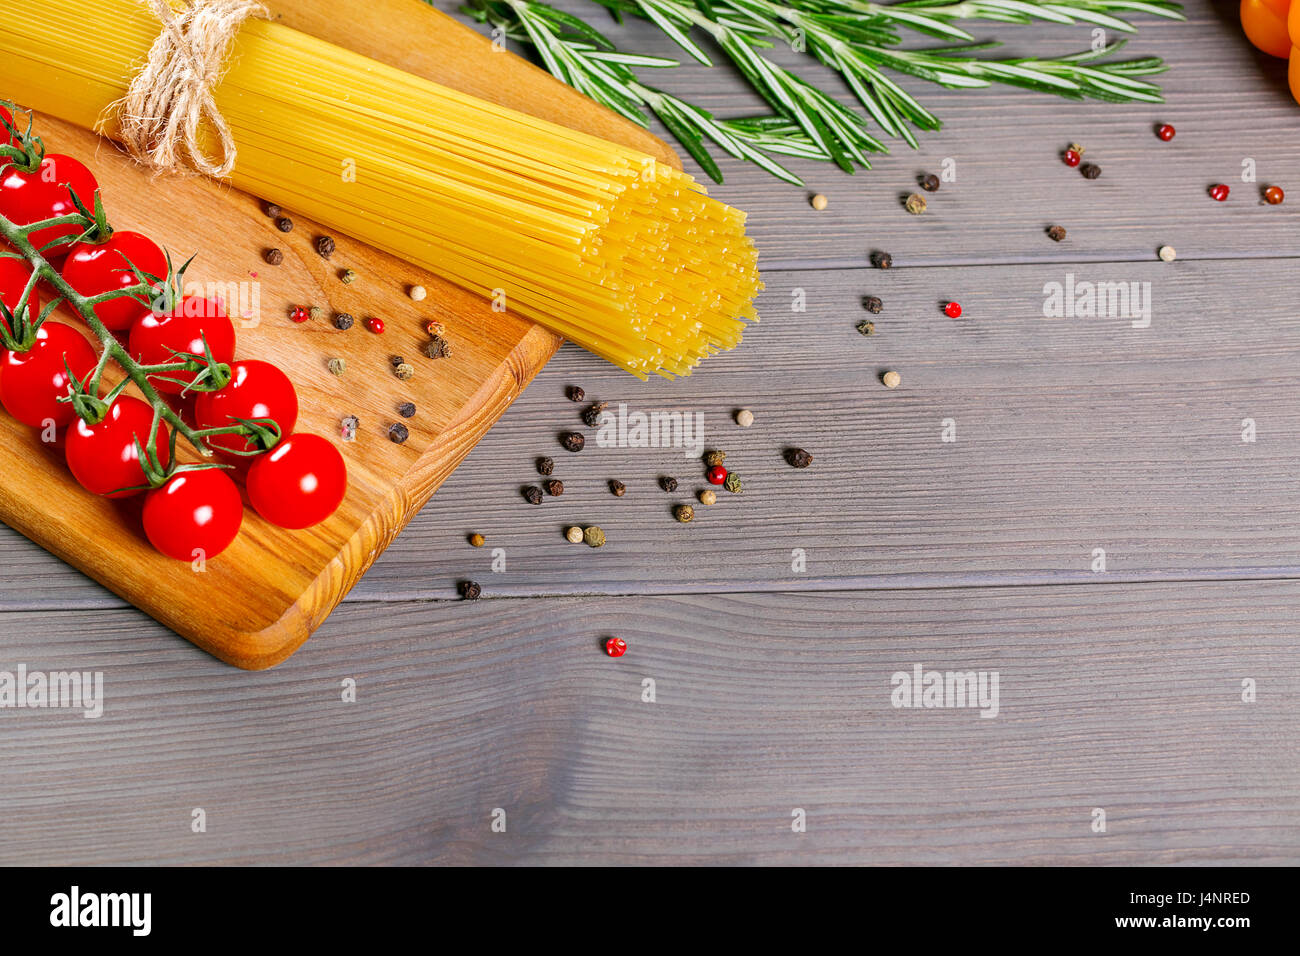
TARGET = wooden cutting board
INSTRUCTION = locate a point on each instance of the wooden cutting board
(255, 604)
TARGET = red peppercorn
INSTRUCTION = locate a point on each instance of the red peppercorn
(375, 325)
(716, 475)
(952, 310)
(1165, 132)
(1071, 157)
(615, 646)
(1218, 192)
(299, 314)
(1273, 195)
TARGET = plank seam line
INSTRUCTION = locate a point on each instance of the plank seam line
(863, 262)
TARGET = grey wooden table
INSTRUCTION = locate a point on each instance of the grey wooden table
(1157, 684)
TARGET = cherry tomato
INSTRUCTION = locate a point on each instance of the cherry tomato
(196, 514)
(6, 137)
(94, 268)
(30, 197)
(104, 459)
(255, 390)
(32, 382)
(298, 483)
(155, 338)
(14, 275)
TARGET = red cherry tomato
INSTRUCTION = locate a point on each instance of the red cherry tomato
(14, 275)
(94, 268)
(6, 138)
(197, 514)
(32, 382)
(26, 198)
(104, 459)
(255, 390)
(298, 483)
(156, 337)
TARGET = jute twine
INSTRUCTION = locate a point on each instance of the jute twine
(172, 95)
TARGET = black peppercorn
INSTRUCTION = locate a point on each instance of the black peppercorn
(274, 257)
(866, 327)
(617, 488)
(1090, 170)
(470, 590)
(398, 433)
(343, 321)
(882, 260)
(272, 210)
(592, 415)
(668, 483)
(284, 224)
(573, 441)
(575, 393)
(437, 348)
(930, 183)
(798, 458)
(873, 304)
(545, 466)
(406, 409)
(554, 487)
(1056, 233)
(533, 495)
(325, 247)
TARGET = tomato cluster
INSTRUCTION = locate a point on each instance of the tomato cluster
(295, 480)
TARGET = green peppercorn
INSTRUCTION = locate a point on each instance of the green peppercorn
(732, 483)
(594, 537)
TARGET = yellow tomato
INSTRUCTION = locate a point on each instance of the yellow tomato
(1265, 23)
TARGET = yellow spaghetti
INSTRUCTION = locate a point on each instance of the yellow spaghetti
(626, 256)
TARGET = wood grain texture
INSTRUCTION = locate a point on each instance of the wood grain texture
(1127, 699)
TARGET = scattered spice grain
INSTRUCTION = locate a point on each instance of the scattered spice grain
(273, 256)
(575, 393)
(398, 433)
(617, 488)
(554, 487)
(1056, 233)
(470, 590)
(684, 513)
(533, 495)
(545, 466)
(798, 457)
(594, 537)
(573, 441)
(573, 534)
(477, 540)
(668, 483)
(343, 321)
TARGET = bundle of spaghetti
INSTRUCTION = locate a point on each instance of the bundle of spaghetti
(604, 245)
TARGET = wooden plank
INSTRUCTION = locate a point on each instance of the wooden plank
(1228, 103)
(1126, 699)
(1072, 434)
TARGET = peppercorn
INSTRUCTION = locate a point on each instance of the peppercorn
(325, 247)
(617, 488)
(406, 409)
(684, 513)
(882, 260)
(575, 393)
(284, 224)
(1071, 157)
(1056, 233)
(573, 441)
(476, 540)
(554, 487)
(348, 427)
(1077, 149)
(866, 327)
(708, 496)
(1090, 170)
(398, 433)
(272, 210)
(273, 256)
(615, 646)
(533, 495)
(668, 483)
(952, 310)
(1274, 196)
(375, 325)
(438, 348)
(732, 483)
(930, 183)
(404, 371)
(434, 328)
(299, 314)
(744, 418)
(343, 321)
(873, 304)
(347, 276)
(545, 466)
(1219, 192)
(716, 475)
(819, 202)
(418, 293)
(470, 590)
(714, 457)
(316, 312)
(1167, 253)
(573, 534)
(915, 204)
(594, 537)
(798, 458)
(1165, 132)
(337, 366)
(891, 379)
(591, 416)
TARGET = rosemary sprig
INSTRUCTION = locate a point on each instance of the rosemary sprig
(858, 39)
